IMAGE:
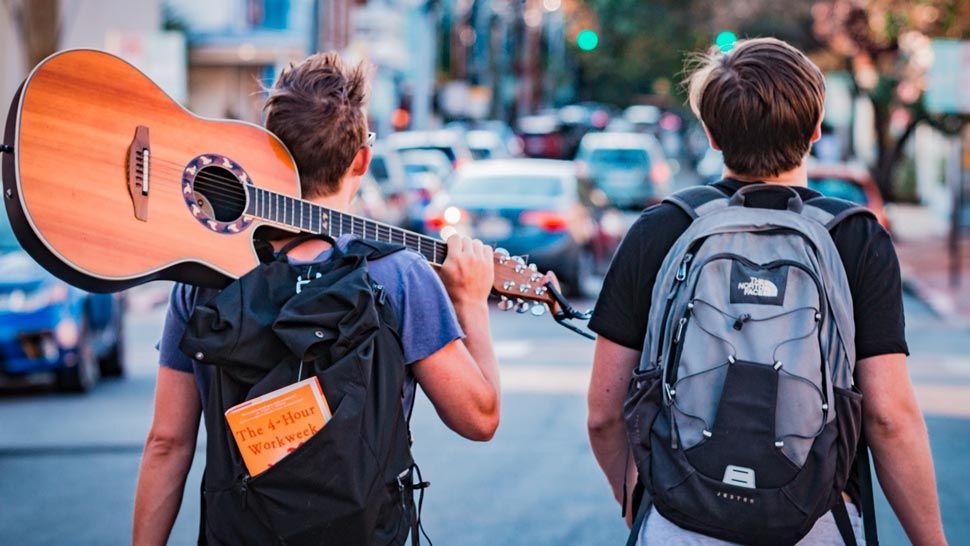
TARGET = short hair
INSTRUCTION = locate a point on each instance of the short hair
(316, 107)
(761, 103)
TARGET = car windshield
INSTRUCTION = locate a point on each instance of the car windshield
(447, 150)
(626, 158)
(839, 187)
(8, 241)
(491, 188)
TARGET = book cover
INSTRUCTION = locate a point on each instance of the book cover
(269, 427)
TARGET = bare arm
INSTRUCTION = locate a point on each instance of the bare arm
(462, 379)
(613, 366)
(167, 458)
(900, 447)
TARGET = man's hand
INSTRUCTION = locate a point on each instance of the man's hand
(468, 271)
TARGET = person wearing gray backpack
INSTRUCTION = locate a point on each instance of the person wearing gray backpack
(751, 346)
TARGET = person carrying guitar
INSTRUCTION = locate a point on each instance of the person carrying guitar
(317, 109)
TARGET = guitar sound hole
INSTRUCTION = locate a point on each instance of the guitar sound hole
(220, 194)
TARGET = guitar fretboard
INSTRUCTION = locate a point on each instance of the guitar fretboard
(312, 218)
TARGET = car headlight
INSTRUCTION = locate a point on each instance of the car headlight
(19, 301)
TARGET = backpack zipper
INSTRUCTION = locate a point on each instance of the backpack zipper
(244, 490)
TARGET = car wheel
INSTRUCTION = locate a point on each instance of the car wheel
(113, 363)
(84, 374)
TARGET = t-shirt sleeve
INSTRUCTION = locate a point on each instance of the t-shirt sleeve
(176, 319)
(427, 317)
(877, 295)
(623, 305)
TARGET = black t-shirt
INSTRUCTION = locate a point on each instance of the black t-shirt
(866, 249)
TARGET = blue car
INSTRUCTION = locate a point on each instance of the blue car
(48, 326)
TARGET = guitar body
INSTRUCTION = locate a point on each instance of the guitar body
(106, 169)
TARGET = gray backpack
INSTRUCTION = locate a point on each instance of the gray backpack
(742, 415)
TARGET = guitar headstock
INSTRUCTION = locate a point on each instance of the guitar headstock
(520, 285)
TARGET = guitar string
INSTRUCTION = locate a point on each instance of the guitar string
(230, 191)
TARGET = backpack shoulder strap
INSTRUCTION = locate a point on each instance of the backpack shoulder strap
(831, 211)
(371, 250)
(697, 200)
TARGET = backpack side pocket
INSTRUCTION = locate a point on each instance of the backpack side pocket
(640, 409)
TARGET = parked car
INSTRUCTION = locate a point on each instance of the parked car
(48, 326)
(529, 207)
(376, 202)
(630, 168)
(386, 166)
(433, 162)
(542, 137)
(643, 117)
(849, 182)
(484, 146)
(451, 143)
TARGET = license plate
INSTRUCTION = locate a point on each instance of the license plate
(494, 228)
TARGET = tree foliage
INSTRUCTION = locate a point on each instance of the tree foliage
(886, 47)
(644, 44)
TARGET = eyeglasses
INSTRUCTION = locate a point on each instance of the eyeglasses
(371, 137)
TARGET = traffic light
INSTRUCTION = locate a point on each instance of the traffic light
(725, 40)
(587, 40)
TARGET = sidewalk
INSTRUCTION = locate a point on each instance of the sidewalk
(921, 242)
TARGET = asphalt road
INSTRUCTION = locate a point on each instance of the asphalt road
(68, 463)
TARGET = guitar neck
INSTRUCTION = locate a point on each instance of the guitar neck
(313, 218)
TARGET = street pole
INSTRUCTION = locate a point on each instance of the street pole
(955, 176)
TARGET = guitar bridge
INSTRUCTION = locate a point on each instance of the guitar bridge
(139, 156)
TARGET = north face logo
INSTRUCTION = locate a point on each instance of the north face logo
(761, 288)
(758, 285)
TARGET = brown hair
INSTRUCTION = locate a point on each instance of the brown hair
(316, 108)
(761, 103)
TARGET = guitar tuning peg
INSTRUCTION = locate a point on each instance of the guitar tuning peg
(521, 306)
(505, 304)
(519, 260)
(538, 310)
(533, 267)
(502, 252)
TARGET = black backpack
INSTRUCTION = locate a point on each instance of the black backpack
(352, 482)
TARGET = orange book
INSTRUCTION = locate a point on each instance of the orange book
(268, 428)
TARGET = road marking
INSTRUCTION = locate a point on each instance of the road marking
(944, 400)
(512, 349)
(545, 379)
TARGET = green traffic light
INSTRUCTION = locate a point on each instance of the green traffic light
(587, 40)
(725, 40)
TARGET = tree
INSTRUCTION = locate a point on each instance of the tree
(38, 26)
(643, 45)
(885, 47)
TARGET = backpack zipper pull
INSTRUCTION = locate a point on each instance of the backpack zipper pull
(680, 329)
(244, 490)
(682, 269)
(739, 322)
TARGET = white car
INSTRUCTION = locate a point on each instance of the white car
(630, 168)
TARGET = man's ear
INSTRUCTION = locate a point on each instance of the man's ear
(361, 162)
(817, 133)
(710, 139)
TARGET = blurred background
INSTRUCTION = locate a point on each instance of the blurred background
(542, 126)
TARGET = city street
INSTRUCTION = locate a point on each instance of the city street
(69, 463)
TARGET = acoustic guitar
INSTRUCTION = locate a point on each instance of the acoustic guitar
(109, 183)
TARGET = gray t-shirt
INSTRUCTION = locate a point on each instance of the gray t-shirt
(425, 316)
